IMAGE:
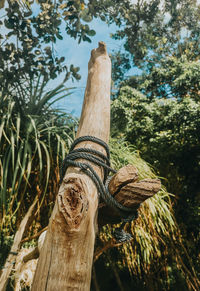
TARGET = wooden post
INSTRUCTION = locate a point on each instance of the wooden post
(65, 262)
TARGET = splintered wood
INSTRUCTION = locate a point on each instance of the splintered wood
(73, 203)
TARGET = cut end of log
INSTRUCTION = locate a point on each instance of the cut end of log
(133, 194)
(130, 192)
(124, 176)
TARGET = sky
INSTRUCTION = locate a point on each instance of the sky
(79, 55)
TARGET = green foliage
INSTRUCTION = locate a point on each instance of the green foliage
(27, 44)
(166, 132)
(27, 48)
(33, 139)
(156, 33)
(164, 43)
(6, 244)
(156, 246)
(174, 77)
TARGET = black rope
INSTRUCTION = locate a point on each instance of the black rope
(97, 158)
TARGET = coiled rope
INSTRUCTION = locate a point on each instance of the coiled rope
(97, 158)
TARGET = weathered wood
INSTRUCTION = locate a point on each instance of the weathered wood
(15, 247)
(133, 194)
(128, 191)
(125, 175)
(65, 262)
(34, 254)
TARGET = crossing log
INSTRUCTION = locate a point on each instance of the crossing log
(127, 190)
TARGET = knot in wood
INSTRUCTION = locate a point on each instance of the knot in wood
(73, 203)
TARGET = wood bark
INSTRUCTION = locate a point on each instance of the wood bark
(15, 247)
(127, 190)
(65, 262)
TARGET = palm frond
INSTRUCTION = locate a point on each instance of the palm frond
(32, 143)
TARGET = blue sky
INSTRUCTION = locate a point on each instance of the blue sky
(79, 55)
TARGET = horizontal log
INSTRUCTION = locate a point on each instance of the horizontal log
(133, 194)
(127, 174)
(128, 191)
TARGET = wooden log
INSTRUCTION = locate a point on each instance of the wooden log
(128, 191)
(133, 194)
(125, 175)
(65, 262)
(15, 247)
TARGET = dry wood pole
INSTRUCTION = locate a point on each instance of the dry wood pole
(65, 262)
(15, 247)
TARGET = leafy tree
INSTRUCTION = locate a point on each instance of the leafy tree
(174, 77)
(162, 129)
(162, 39)
(158, 34)
(148, 262)
(158, 110)
(27, 44)
(166, 132)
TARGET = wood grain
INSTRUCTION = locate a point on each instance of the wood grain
(66, 258)
(128, 191)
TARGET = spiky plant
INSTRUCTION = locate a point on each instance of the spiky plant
(34, 138)
(156, 254)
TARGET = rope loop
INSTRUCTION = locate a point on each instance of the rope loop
(99, 159)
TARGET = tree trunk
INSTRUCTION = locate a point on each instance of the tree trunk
(65, 262)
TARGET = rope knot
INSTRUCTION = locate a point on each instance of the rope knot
(97, 158)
